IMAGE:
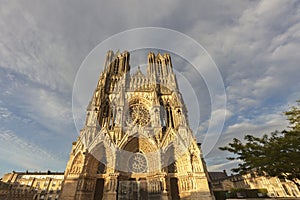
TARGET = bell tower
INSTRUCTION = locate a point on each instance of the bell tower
(136, 142)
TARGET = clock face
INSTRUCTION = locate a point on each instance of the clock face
(137, 163)
(139, 115)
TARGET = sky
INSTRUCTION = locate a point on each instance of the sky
(254, 44)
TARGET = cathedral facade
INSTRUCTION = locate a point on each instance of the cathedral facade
(136, 142)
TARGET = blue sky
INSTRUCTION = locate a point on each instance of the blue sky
(255, 44)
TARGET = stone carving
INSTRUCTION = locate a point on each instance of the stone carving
(112, 185)
(140, 119)
(77, 164)
(86, 185)
(156, 117)
(137, 163)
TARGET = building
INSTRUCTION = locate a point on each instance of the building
(136, 142)
(219, 181)
(31, 185)
(275, 187)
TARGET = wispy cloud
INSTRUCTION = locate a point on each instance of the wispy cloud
(255, 45)
(225, 165)
(26, 155)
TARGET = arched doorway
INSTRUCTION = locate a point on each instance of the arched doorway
(99, 189)
(174, 189)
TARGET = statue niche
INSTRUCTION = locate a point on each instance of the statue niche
(77, 164)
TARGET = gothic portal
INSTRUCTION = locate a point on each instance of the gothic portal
(136, 142)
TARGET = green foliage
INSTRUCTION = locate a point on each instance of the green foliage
(293, 115)
(277, 154)
(220, 195)
(235, 192)
(249, 193)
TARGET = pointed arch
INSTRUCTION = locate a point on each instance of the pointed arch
(140, 144)
(100, 158)
(77, 164)
(169, 158)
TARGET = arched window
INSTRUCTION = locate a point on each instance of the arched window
(101, 168)
(172, 168)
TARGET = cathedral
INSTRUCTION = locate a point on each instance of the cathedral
(136, 142)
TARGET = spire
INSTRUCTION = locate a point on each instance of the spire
(130, 121)
(155, 100)
(151, 59)
(139, 73)
(117, 53)
(121, 97)
(109, 57)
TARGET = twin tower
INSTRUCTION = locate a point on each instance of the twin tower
(136, 142)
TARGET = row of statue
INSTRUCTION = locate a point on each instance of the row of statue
(87, 185)
(187, 184)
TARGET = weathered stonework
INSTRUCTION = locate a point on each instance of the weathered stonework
(31, 185)
(275, 187)
(136, 142)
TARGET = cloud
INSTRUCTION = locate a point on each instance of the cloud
(4, 113)
(25, 100)
(26, 155)
(220, 167)
(49, 109)
(256, 54)
(258, 125)
(33, 115)
(255, 45)
(28, 50)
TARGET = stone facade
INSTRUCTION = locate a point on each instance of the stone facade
(136, 142)
(31, 185)
(276, 187)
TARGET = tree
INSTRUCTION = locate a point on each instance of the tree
(277, 155)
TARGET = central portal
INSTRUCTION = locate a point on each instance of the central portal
(139, 190)
(129, 190)
(136, 142)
